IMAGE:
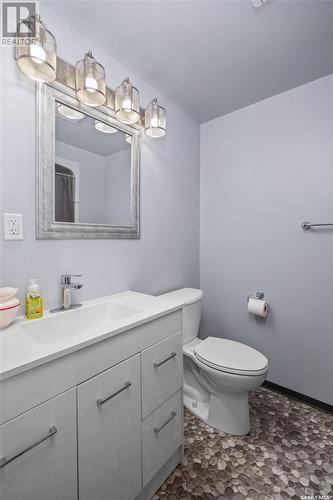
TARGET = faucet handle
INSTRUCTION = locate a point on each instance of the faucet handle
(66, 278)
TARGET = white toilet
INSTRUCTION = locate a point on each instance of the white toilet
(218, 373)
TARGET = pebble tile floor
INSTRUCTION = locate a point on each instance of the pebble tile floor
(287, 454)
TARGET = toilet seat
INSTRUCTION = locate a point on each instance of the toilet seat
(230, 356)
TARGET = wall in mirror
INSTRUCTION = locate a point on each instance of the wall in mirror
(92, 171)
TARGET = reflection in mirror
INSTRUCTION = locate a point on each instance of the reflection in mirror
(92, 173)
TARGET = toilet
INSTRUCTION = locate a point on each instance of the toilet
(218, 373)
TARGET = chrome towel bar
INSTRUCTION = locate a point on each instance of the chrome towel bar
(307, 225)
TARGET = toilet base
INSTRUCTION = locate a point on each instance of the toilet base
(229, 414)
(198, 408)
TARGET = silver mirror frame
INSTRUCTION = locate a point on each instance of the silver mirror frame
(46, 226)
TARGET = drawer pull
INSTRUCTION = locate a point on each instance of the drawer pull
(5, 461)
(172, 355)
(172, 416)
(102, 401)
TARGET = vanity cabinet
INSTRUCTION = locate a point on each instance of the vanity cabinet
(109, 433)
(38, 452)
(102, 423)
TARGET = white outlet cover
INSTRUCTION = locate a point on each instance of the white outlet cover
(13, 226)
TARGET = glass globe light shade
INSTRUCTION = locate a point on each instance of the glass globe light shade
(127, 105)
(155, 120)
(68, 112)
(36, 55)
(90, 81)
(103, 127)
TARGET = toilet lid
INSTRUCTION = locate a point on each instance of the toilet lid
(233, 357)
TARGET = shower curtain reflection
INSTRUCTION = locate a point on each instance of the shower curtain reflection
(64, 192)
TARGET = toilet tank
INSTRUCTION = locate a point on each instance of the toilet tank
(192, 300)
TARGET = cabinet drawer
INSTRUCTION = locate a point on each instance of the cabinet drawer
(109, 433)
(161, 436)
(47, 467)
(162, 372)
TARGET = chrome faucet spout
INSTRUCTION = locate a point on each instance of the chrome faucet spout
(66, 287)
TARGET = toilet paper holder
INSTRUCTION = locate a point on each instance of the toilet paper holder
(260, 309)
(259, 296)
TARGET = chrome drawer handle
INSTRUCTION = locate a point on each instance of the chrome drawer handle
(5, 461)
(172, 416)
(102, 401)
(172, 355)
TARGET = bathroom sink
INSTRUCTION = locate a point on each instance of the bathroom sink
(29, 343)
(77, 322)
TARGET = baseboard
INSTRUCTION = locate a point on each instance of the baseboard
(300, 397)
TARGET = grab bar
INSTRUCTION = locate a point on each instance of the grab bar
(307, 225)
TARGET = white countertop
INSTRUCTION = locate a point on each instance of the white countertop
(29, 343)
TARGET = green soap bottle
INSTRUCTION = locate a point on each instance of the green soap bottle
(33, 301)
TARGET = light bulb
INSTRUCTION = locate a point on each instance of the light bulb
(90, 83)
(127, 103)
(37, 53)
(154, 121)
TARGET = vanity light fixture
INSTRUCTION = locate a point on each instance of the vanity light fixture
(36, 55)
(103, 127)
(90, 81)
(128, 139)
(69, 113)
(127, 106)
(155, 119)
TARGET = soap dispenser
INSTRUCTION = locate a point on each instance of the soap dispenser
(33, 300)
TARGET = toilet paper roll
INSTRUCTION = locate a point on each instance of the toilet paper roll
(257, 307)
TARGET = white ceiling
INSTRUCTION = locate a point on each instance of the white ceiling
(211, 57)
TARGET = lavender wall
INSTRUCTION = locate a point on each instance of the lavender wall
(165, 258)
(264, 170)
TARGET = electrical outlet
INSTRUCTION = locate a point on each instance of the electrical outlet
(13, 226)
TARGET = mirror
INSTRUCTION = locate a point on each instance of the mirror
(88, 170)
(92, 181)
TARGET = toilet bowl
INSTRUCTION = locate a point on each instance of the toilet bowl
(218, 373)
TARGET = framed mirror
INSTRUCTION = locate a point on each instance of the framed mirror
(88, 169)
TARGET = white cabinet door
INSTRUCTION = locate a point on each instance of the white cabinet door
(38, 452)
(109, 434)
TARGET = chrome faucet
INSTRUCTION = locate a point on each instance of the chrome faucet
(66, 290)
